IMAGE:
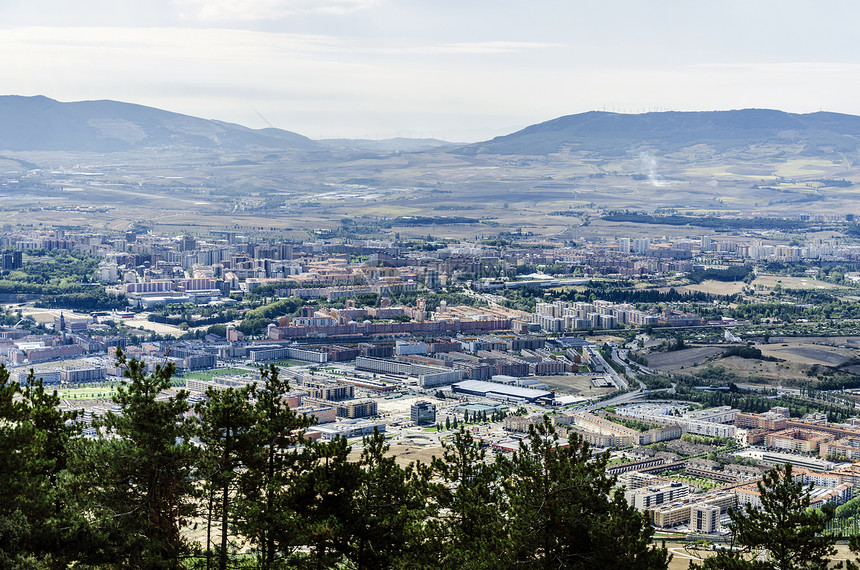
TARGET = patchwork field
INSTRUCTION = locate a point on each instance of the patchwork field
(668, 361)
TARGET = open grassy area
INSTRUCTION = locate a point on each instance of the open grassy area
(757, 371)
(209, 374)
(289, 363)
(786, 282)
(88, 392)
(808, 353)
(389, 210)
(803, 167)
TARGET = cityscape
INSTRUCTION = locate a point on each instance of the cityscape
(370, 285)
(415, 342)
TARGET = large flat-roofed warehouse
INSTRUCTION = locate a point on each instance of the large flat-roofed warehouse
(500, 391)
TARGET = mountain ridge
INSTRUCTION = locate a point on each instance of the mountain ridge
(617, 133)
(39, 123)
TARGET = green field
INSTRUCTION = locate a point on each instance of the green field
(289, 363)
(209, 374)
(88, 391)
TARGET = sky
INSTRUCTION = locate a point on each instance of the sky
(458, 70)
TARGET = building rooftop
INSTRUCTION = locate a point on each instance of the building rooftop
(516, 392)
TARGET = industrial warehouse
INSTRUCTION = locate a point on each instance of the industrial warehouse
(501, 391)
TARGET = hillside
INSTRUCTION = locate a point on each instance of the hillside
(553, 176)
(43, 124)
(665, 132)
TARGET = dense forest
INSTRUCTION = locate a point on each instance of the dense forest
(232, 482)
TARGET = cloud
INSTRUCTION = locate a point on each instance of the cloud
(491, 48)
(112, 43)
(255, 10)
(380, 86)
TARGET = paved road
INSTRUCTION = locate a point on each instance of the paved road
(617, 357)
(600, 365)
(624, 398)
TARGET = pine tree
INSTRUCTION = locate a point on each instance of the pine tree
(469, 530)
(34, 447)
(271, 466)
(785, 527)
(385, 509)
(563, 513)
(226, 420)
(319, 501)
(136, 480)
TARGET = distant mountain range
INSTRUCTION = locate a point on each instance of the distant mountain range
(43, 124)
(614, 133)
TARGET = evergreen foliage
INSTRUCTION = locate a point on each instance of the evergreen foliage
(564, 514)
(470, 529)
(226, 420)
(785, 527)
(271, 464)
(265, 497)
(135, 482)
(34, 438)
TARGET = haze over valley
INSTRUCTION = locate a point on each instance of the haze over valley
(546, 179)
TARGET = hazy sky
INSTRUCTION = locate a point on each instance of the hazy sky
(460, 70)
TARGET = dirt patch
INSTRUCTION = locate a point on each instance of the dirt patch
(42, 316)
(158, 328)
(752, 370)
(599, 340)
(809, 354)
(714, 287)
(405, 453)
(787, 282)
(678, 359)
(682, 555)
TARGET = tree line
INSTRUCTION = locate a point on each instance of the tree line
(603, 291)
(234, 482)
(714, 222)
